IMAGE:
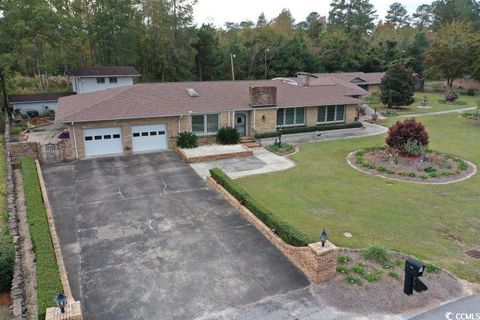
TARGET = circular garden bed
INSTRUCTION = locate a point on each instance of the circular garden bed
(428, 167)
(407, 157)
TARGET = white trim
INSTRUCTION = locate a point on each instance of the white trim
(205, 133)
(335, 116)
(75, 140)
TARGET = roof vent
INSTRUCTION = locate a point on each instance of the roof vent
(192, 93)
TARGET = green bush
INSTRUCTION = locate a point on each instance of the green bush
(430, 267)
(228, 135)
(394, 275)
(286, 232)
(7, 263)
(353, 279)
(325, 127)
(187, 140)
(372, 277)
(343, 269)
(343, 259)
(17, 130)
(48, 276)
(377, 254)
(360, 269)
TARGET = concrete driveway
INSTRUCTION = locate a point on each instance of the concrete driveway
(144, 238)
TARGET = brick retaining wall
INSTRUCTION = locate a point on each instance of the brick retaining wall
(222, 156)
(316, 262)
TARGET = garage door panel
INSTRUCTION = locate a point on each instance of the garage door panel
(102, 141)
(149, 138)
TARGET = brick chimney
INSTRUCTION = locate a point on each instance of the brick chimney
(263, 96)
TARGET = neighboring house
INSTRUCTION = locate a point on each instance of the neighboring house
(149, 116)
(369, 81)
(91, 79)
(43, 103)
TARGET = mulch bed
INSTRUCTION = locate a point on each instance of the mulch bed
(428, 167)
(385, 296)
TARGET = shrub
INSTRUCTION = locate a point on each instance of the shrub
(413, 148)
(286, 232)
(281, 149)
(228, 135)
(187, 140)
(430, 267)
(353, 280)
(451, 96)
(377, 254)
(325, 127)
(394, 275)
(471, 92)
(372, 277)
(48, 276)
(409, 130)
(343, 259)
(360, 269)
(397, 87)
(17, 130)
(7, 263)
(343, 269)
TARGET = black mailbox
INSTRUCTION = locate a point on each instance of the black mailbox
(413, 270)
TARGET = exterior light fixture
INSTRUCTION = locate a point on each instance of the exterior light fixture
(61, 301)
(323, 237)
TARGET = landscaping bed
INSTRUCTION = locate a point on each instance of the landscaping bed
(213, 152)
(48, 276)
(428, 167)
(281, 149)
(370, 287)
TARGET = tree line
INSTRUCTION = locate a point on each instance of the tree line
(158, 37)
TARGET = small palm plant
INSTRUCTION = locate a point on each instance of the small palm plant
(228, 135)
(187, 140)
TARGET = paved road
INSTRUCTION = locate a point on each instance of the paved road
(144, 238)
(462, 309)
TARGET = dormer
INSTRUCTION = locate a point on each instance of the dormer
(90, 79)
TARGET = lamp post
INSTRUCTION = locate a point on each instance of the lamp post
(231, 62)
(61, 301)
(323, 237)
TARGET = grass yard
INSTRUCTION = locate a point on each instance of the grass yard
(433, 101)
(437, 223)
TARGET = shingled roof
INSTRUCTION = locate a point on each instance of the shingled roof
(38, 97)
(104, 71)
(147, 100)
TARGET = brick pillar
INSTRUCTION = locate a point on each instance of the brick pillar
(72, 312)
(325, 265)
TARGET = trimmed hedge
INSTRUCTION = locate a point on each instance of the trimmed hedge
(48, 276)
(7, 263)
(286, 232)
(325, 127)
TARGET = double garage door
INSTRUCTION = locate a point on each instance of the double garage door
(106, 141)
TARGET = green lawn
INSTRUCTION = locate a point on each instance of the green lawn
(433, 101)
(437, 223)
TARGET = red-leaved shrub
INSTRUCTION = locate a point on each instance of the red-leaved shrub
(408, 130)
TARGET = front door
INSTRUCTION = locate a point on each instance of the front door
(241, 123)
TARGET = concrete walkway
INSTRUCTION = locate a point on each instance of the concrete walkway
(262, 161)
(368, 130)
(435, 113)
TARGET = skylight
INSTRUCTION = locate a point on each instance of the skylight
(191, 92)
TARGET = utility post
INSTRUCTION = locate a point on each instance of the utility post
(231, 62)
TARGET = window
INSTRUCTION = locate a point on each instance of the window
(100, 80)
(153, 133)
(136, 134)
(161, 132)
(107, 136)
(144, 134)
(205, 124)
(98, 137)
(88, 138)
(331, 114)
(116, 136)
(112, 79)
(290, 117)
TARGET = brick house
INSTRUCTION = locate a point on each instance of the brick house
(370, 81)
(149, 116)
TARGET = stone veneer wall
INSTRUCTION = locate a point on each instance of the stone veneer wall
(316, 262)
(17, 292)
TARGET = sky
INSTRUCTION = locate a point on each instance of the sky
(220, 11)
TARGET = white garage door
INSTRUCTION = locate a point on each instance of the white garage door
(102, 141)
(149, 137)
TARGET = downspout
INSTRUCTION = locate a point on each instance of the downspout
(179, 119)
(75, 140)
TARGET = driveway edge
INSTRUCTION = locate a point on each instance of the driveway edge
(73, 309)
